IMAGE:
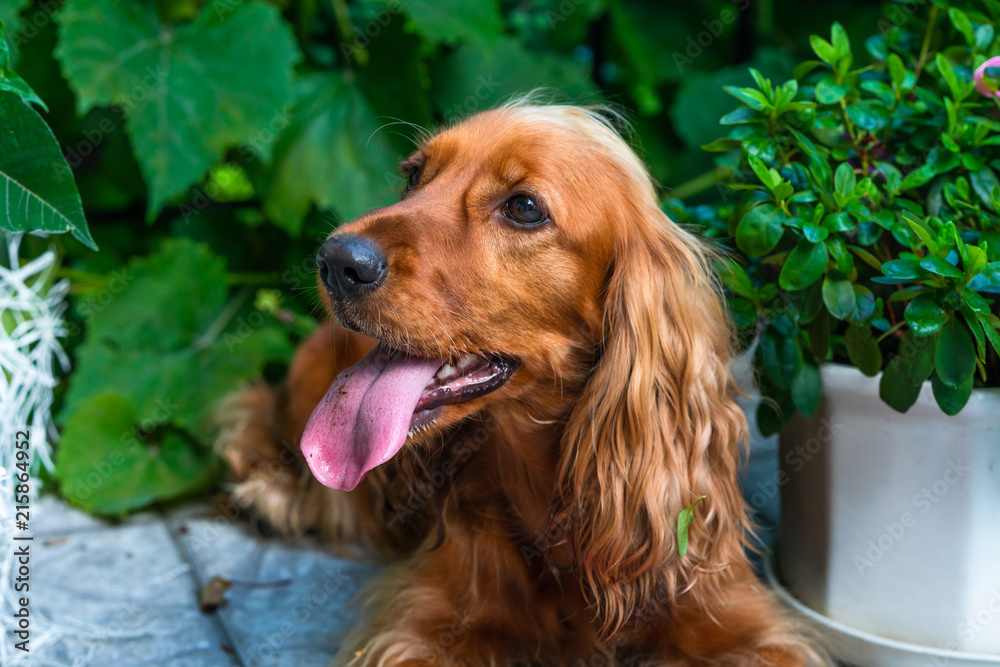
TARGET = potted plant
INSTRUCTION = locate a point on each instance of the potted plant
(865, 266)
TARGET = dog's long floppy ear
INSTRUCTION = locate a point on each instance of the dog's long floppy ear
(655, 428)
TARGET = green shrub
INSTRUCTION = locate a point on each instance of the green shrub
(867, 225)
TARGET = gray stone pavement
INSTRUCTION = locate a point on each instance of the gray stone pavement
(128, 594)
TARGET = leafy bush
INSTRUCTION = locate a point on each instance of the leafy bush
(868, 227)
(216, 142)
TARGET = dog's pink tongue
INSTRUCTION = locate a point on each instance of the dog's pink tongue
(364, 418)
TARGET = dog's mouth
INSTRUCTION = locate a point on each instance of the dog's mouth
(372, 407)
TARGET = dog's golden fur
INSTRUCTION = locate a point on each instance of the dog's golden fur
(536, 525)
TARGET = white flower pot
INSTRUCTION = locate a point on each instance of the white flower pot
(891, 523)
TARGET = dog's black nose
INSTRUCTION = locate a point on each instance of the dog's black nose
(349, 265)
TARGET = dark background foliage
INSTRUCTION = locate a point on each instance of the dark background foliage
(216, 143)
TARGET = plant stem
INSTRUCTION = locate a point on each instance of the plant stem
(926, 46)
(700, 183)
(220, 323)
(892, 330)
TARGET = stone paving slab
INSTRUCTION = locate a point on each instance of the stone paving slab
(289, 603)
(119, 596)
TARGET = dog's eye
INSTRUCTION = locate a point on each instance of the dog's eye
(412, 178)
(524, 210)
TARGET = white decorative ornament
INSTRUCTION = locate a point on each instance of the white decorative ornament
(31, 324)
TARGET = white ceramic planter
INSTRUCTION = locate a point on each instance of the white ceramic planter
(891, 523)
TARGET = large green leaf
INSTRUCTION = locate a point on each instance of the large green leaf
(954, 353)
(807, 389)
(452, 20)
(37, 191)
(333, 154)
(760, 230)
(862, 349)
(951, 399)
(168, 341)
(110, 462)
(190, 91)
(895, 389)
(804, 265)
(924, 315)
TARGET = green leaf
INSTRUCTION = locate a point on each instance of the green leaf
(924, 315)
(894, 388)
(918, 177)
(897, 71)
(804, 265)
(844, 179)
(985, 182)
(900, 271)
(916, 357)
(945, 68)
(841, 43)
(987, 280)
(331, 155)
(684, 520)
(11, 82)
(760, 230)
(734, 277)
(862, 349)
(37, 191)
(823, 49)
(722, 145)
(819, 335)
(190, 91)
(941, 267)
(766, 176)
(828, 91)
(452, 20)
(749, 96)
(951, 399)
(111, 462)
(838, 295)
(170, 341)
(991, 327)
(954, 353)
(961, 22)
(807, 389)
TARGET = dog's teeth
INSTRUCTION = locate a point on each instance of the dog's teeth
(467, 360)
(445, 371)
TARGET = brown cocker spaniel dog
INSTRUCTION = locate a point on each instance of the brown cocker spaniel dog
(527, 382)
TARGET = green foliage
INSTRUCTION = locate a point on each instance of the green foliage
(38, 192)
(867, 223)
(215, 143)
(127, 463)
(189, 91)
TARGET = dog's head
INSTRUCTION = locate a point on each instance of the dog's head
(482, 284)
(528, 264)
